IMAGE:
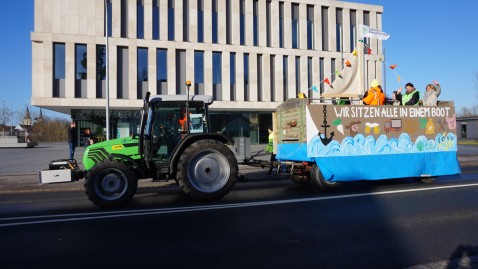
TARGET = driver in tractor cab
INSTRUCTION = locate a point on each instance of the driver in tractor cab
(183, 120)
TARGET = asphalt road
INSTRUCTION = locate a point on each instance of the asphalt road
(261, 224)
(267, 222)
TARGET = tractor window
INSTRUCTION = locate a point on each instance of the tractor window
(173, 114)
(169, 126)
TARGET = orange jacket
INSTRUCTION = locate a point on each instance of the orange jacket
(183, 123)
(374, 97)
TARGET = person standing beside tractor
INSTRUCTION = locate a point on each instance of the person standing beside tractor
(270, 149)
(72, 137)
(88, 138)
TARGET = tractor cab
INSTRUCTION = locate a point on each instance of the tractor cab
(167, 121)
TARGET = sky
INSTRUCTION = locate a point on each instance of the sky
(432, 40)
(429, 40)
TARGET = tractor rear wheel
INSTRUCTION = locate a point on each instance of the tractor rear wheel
(207, 170)
(110, 183)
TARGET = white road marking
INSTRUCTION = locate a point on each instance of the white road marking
(17, 221)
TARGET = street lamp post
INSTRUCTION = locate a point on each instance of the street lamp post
(107, 76)
(188, 85)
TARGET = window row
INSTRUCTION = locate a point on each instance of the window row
(263, 72)
(274, 28)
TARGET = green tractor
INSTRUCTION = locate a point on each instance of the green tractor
(174, 143)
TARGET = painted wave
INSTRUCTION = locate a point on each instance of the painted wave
(360, 145)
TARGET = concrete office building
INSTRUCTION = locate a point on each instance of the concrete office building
(249, 54)
(467, 127)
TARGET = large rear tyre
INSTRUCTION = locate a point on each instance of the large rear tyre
(317, 179)
(110, 183)
(207, 170)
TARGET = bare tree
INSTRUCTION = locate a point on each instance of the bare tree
(5, 115)
(50, 130)
(473, 110)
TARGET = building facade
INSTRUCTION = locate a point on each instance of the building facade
(467, 128)
(251, 55)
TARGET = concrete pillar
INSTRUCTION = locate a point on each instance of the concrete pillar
(163, 22)
(171, 71)
(226, 78)
(239, 76)
(148, 19)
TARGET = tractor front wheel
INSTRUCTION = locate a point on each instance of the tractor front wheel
(110, 183)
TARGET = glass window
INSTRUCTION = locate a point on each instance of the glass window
(172, 115)
(214, 21)
(297, 75)
(285, 77)
(273, 77)
(198, 71)
(124, 18)
(109, 19)
(310, 28)
(339, 29)
(80, 60)
(140, 19)
(281, 24)
(100, 62)
(332, 67)
(232, 75)
(242, 26)
(246, 77)
(185, 20)
(199, 66)
(464, 133)
(155, 20)
(162, 70)
(255, 31)
(309, 76)
(59, 69)
(325, 28)
(200, 21)
(353, 29)
(80, 70)
(228, 21)
(171, 20)
(366, 21)
(259, 77)
(142, 72)
(295, 26)
(217, 75)
(59, 54)
(216, 68)
(321, 74)
(142, 64)
(268, 22)
(100, 71)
